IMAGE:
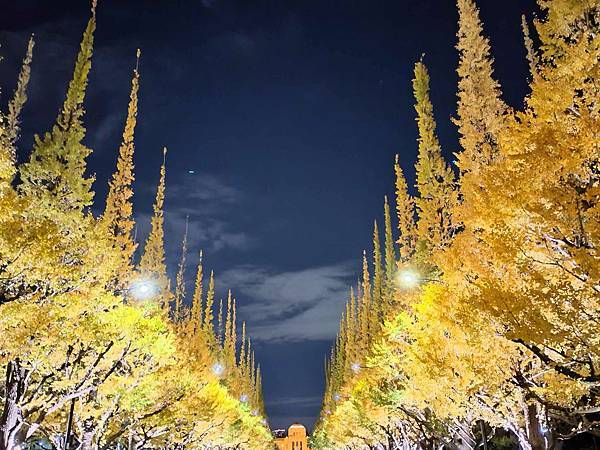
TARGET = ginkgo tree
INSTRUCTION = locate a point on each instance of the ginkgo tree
(94, 359)
(491, 337)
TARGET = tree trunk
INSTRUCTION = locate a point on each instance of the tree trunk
(464, 439)
(88, 431)
(11, 421)
(133, 443)
(484, 442)
(534, 433)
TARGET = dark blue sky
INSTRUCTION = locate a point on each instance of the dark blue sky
(288, 112)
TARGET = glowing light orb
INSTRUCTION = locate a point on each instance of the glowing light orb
(218, 369)
(355, 367)
(337, 397)
(144, 289)
(243, 398)
(407, 278)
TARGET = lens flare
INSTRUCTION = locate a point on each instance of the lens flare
(144, 289)
(218, 369)
(407, 278)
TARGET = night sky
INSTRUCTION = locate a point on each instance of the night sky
(288, 113)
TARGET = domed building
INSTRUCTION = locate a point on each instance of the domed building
(294, 439)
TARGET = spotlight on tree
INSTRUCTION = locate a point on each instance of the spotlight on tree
(144, 289)
(407, 278)
(218, 369)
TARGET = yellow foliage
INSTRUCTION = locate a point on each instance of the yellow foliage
(501, 322)
(73, 337)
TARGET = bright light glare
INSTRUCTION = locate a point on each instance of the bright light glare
(243, 398)
(218, 369)
(337, 397)
(407, 278)
(144, 289)
(355, 367)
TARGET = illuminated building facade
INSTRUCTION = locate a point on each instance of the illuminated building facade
(294, 439)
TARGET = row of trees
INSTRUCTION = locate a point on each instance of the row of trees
(476, 325)
(98, 350)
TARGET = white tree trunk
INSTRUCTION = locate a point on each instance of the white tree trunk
(11, 421)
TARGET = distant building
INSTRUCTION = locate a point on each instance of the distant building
(294, 439)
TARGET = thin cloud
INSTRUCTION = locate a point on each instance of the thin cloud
(291, 306)
(205, 188)
(204, 201)
(208, 234)
(297, 402)
(110, 126)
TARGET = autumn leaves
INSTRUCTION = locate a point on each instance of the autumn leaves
(93, 339)
(495, 337)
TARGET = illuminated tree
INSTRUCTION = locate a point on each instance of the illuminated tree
(79, 341)
(152, 267)
(480, 108)
(178, 313)
(54, 178)
(210, 296)
(378, 291)
(10, 127)
(498, 326)
(405, 211)
(390, 256)
(118, 212)
(435, 180)
(196, 318)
